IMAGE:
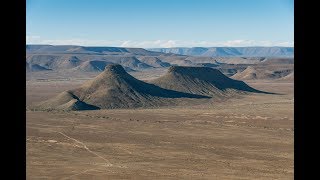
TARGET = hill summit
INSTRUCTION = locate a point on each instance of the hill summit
(114, 88)
(202, 81)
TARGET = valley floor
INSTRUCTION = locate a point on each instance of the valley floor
(243, 138)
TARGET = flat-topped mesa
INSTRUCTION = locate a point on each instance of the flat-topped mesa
(186, 68)
(199, 72)
(181, 69)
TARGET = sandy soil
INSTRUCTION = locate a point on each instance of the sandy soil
(244, 138)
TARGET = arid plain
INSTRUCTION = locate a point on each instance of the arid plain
(249, 137)
(236, 134)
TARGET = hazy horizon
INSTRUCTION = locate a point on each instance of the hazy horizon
(158, 47)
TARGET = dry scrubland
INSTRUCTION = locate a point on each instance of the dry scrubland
(248, 137)
(234, 135)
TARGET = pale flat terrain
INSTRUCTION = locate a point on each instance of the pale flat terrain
(243, 138)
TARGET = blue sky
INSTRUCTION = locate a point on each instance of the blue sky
(161, 23)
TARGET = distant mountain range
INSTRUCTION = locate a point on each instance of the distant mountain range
(230, 51)
(194, 51)
(91, 59)
(68, 49)
(79, 60)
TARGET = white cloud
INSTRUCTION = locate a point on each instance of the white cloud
(286, 43)
(31, 39)
(168, 44)
(147, 44)
(238, 43)
(125, 44)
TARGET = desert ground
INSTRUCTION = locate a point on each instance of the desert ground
(249, 137)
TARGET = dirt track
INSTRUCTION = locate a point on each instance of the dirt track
(248, 138)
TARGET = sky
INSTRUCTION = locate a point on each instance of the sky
(160, 23)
